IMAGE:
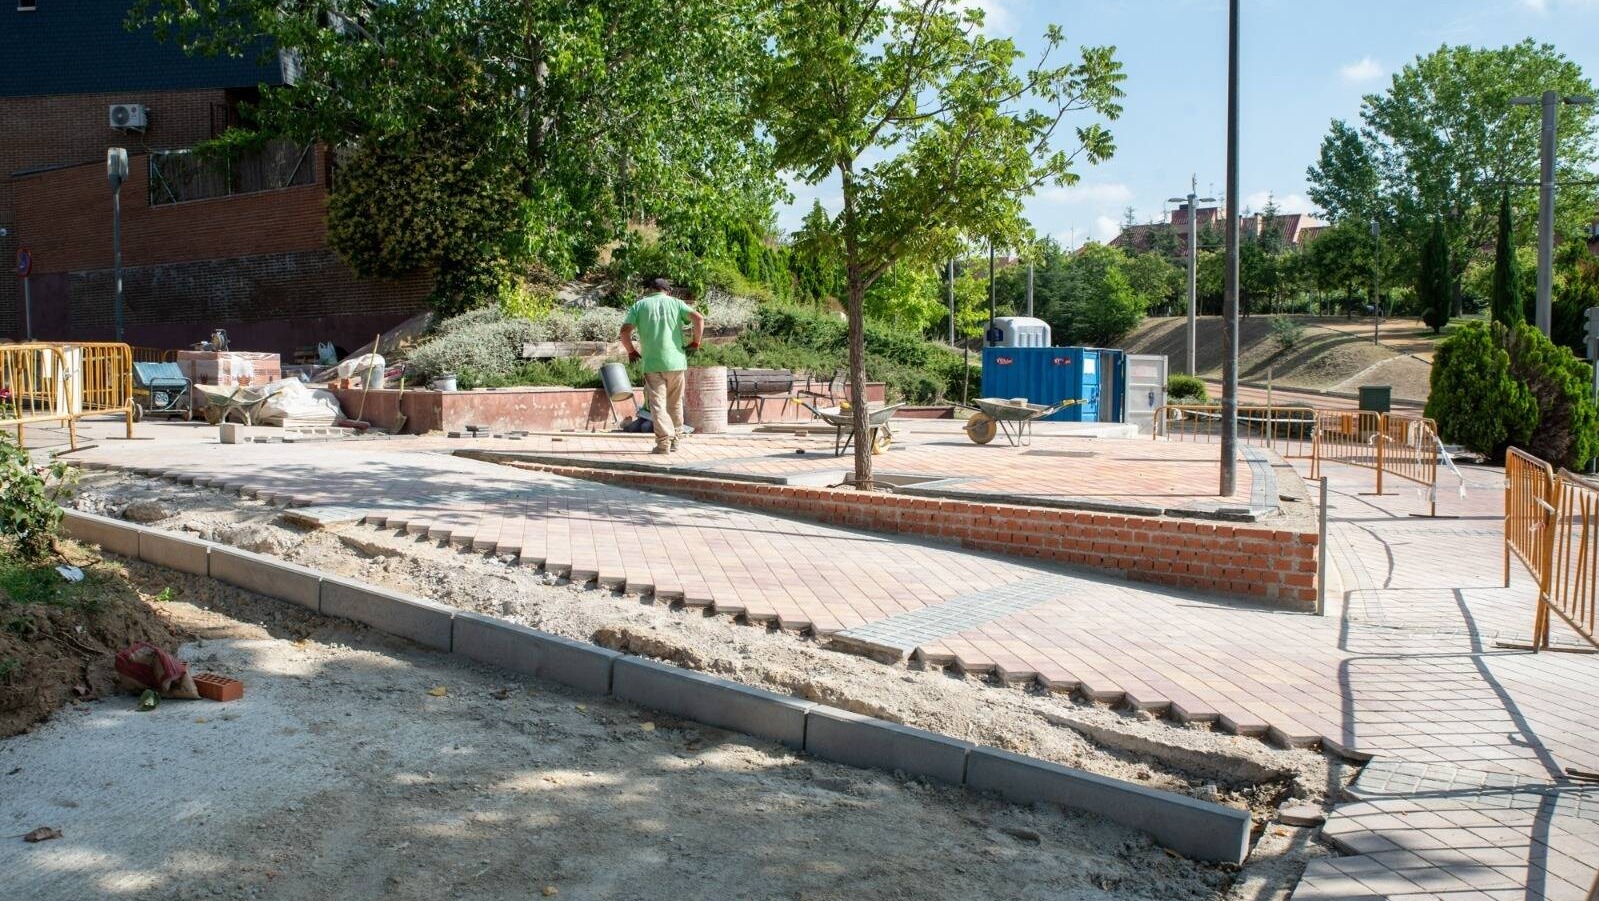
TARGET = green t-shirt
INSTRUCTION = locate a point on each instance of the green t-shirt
(659, 319)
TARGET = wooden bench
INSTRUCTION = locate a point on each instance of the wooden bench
(758, 386)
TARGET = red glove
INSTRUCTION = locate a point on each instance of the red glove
(634, 356)
(694, 345)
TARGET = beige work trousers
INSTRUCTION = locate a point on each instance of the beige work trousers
(664, 393)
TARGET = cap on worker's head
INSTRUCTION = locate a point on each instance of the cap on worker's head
(662, 284)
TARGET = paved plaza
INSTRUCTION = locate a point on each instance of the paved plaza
(1466, 797)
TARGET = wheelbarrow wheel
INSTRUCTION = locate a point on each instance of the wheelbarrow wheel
(981, 428)
(882, 439)
(188, 414)
(213, 415)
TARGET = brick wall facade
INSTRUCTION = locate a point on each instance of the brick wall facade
(1246, 560)
(256, 264)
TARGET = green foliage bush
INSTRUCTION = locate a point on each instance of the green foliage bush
(488, 346)
(1286, 332)
(1561, 387)
(1186, 389)
(1475, 398)
(29, 512)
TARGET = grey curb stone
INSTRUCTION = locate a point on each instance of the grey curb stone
(424, 622)
(715, 702)
(861, 741)
(504, 644)
(267, 576)
(186, 555)
(1192, 828)
(110, 534)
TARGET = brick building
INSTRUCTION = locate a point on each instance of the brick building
(1296, 228)
(238, 244)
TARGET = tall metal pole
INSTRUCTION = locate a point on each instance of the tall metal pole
(1546, 212)
(1029, 289)
(990, 284)
(116, 251)
(952, 302)
(1229, 325)
(1193, 281)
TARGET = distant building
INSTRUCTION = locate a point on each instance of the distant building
(239, 245)
(1296, 229)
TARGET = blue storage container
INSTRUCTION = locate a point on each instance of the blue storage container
(1049, 375)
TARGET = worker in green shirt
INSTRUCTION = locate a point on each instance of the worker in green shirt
(657, 320)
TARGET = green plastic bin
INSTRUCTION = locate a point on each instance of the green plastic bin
(1376, 398)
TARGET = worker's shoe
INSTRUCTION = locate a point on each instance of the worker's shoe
(661, 449)
(674, 444)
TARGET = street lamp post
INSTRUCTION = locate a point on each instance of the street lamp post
(1192, 201)
(952, 302)
(1550, 101)
(1229, 323)
(1376, 281)
(116, 170)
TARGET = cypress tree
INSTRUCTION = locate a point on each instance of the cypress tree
(1505, 295)
(1432, 283)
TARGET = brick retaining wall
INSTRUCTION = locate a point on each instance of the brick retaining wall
(1278, 565)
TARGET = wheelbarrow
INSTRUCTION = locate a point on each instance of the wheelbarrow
(161, 389)
(1014, 418)
(239, 402)
(843, 422)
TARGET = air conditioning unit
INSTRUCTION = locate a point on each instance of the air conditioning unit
(129, 116)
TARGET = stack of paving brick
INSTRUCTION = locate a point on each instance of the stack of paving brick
(230, 368)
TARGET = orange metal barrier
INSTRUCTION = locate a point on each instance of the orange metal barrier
(153, 355)
(106, 379)
(32, 387)
(1290, 431)
(1568, 589)
(1349, 437)
(1529, 514)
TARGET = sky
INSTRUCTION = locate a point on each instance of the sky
(1304, 63)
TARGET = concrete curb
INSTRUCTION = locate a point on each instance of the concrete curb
(1203, 831)
(712, 701)
(424, 622)
(267, 576)
(186, 555)
(1193, 828)
(861, 741)
(524, 650)
(114, 535)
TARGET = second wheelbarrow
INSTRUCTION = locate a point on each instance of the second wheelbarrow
(1014, 418)
(843, 421)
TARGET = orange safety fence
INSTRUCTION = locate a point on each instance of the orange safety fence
(1290, 431)
(1349, 437)
(1569, 589)
(153, 355)
(1529, 514)
(33, 387)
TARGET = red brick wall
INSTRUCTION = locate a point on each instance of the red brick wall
(1247, 560)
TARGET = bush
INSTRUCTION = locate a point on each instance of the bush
(1286, 332)
(1475, 398)
(29, 513)
(487, 347)
(1186, 389)
(1561, 386)
(600, 324)
(566, 372)
(725, 313)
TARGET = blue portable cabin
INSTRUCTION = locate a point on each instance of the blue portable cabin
(1049, 375)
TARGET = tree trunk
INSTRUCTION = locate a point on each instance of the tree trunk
(856, 307)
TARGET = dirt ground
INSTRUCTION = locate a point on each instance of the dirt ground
(1242, 771)
(60, 645)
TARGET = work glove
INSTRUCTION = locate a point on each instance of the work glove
(694, 345)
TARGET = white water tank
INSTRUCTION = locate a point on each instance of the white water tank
(1022, 331)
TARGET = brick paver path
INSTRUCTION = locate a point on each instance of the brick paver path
(1405, 666)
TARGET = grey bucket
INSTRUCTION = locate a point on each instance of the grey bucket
(614, 377)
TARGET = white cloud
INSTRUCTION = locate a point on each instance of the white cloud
(1367, 69)
(997, 16)
(1106, 228)
(1099, 194)
(1538, 6)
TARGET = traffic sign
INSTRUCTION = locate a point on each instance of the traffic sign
(24, 262)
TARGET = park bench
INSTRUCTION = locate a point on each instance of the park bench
(759, 386)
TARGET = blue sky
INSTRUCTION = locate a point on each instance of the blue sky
(1305, 62)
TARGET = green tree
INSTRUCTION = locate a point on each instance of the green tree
(600, 112)
(816, 258)
(930, 129)
(1098, 304)
(1445, 139)
(1433, 288)
(1155, 278)
(1505, 294)
(1474, 397)
(1561, 388)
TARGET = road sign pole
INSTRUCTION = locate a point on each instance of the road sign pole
(27, 308)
